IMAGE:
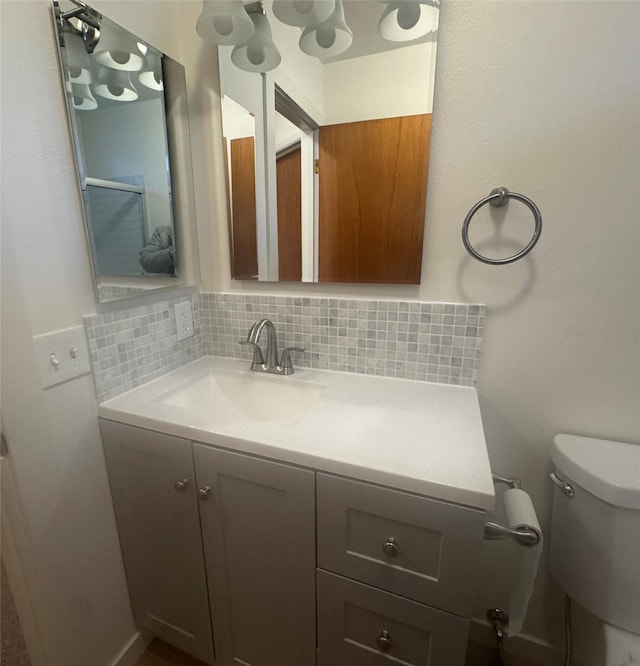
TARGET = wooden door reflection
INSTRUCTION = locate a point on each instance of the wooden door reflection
(373, 189)
(288, 170)
(243, 211)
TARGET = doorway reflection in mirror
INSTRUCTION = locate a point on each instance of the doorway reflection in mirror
(363, 118)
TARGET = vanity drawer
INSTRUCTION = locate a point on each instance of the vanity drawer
(362, 626)
(416, 547)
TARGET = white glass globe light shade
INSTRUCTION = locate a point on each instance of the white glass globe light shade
(406, 20)
(115, 85)
(330, 38)
(259, 54)
(77, 59)
(118, 50)
(303, 13)
(151, 74)
(82, 98)
(224, 22)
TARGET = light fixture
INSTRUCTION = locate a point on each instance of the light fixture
(303, 13)
(82, 98)
(224, 22)
(116, 85)
(118, 50)
(77, 60)
(405, 20)
(259, 54)
(330, 38)
(151, 74)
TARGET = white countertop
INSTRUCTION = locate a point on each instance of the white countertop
(415, 436)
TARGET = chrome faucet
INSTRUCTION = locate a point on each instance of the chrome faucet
(271, 364)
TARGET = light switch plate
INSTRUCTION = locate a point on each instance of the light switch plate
(62, 355)
(184, 319)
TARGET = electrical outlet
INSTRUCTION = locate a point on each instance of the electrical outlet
(184, 319)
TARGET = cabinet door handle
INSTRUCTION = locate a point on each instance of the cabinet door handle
(181, 486)
(390, 548)
(384, 641)
(203, 493)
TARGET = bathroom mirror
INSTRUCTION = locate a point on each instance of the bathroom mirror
(127, 111)
(329, 184)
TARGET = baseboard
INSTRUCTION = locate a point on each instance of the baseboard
(521, 647)
(133, 650)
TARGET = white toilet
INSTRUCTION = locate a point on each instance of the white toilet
(595, 536)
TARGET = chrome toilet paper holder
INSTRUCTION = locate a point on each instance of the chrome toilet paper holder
(525, 536)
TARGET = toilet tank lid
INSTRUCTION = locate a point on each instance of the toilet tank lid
(609, 470)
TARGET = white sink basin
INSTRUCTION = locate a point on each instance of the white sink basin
(255, 396)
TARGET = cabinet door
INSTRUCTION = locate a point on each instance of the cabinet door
(258, 525)
(160, 534)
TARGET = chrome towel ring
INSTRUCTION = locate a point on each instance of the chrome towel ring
(499, 197)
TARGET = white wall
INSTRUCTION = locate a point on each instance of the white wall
(237, 122)
(286, 133)
(523, 101)
(46, 285)
(381, 85)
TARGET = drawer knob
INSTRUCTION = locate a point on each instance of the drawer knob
(384, 641)
(390, 548)
(180, 486)
(203, 493)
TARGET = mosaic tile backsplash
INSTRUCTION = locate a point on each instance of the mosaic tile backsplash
(133, 346)
(436, 342)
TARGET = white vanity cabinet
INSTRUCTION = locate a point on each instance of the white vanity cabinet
(155, 500)
(256, 521)
(290, 566)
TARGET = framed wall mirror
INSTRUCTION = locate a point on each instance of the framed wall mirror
(128, 118)
(327, 150)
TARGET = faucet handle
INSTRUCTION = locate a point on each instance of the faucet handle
(258, 359)
(285, 359)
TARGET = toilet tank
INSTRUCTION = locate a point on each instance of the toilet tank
(595, 535)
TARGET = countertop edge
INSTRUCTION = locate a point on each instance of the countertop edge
(468, 498)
